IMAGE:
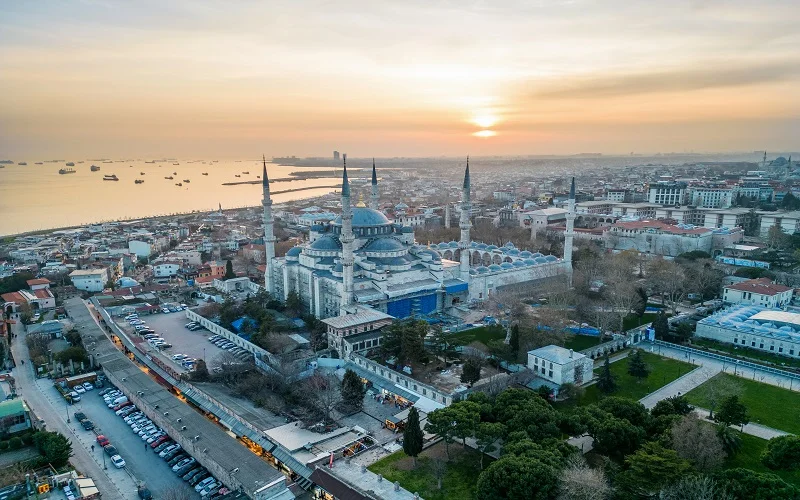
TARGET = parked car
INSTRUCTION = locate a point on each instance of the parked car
(205, 482)
(80, 416)
(157, 440)
(110, 450)
(144, 493)
(183, 463)
(79, 389)
(177, 458)
(169, 449)
(194, 481)
(118, 461)
(87, 424)
(102, 440)
(166, 444)
(192, 473)
(204, 492)
(88, 386)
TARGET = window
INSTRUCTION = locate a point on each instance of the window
(761, 345)
(753, 343)
(772, 348)
(780, 349)
(550, 373)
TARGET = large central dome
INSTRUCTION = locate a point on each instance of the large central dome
(363, 216)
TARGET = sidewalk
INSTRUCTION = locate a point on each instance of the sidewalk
(757, 430)
(680, 386)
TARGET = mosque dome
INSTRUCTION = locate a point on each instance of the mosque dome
(481, 246)
(540, 260)
(518, 263)
(551, 258)
(383, 245)
(473, 272)
(513, 252)
(453, 244)
(525, 254)
(294, 252)
(530, 262)
(482, 270)
(494, 267)
(326, 243)
(537, 254)
(491, 247)
(506, 265)
(363, 216)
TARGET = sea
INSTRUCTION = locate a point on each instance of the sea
(36, 197)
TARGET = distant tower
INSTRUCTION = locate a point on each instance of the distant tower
(269, 233)
(336, 156)
(764, 162)
(373, 197)
(447, 211)
(570, 232)
(464, 225)
(347, 243)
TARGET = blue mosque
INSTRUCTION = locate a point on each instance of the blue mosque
(362, 260)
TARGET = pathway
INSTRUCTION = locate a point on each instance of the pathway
(757, 430)
(55, 418)
(680, 386)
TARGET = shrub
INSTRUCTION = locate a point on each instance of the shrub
(3, 445)
(15, 443)
(782, 453)
(27, 439)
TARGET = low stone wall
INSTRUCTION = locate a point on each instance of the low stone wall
(402, 380)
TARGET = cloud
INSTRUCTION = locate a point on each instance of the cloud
(678, 80)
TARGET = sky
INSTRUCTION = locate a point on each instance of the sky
(237, 78)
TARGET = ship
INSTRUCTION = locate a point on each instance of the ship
(176, 163)
(39, 163)
(141, 173)
(169, 177)
(66, 170)
(237, 175)
(108, 161)
(138, 181)
(151, 161)
(246, 172)
(94, 168)
(186, 181)
(205, 173)
(22, 163)
(178, 184)
(70, 164)
(174, 173)
(111, 177)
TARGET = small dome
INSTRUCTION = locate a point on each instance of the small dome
(472, 244)
(540, 260)
(506, 265)
(518, 263)
(491, 247)
(383, 245)
(551, 258)
(482, 270)
(513, 252)
(326, 243)
(525, 254)
(509, 245)
(294, 251)
(473, 272)
(494, 267)
(530, 262)
(481, 246)
(453, 244)
(537, 254)
(338, 268)
(443, 246)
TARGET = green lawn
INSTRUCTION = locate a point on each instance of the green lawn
(581, 342)
(746, 352)
(768, 405)
(482, 334)
(459, 481)
(632, 320)
(662, 372)
(749, 457)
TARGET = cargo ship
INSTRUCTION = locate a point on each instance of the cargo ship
(70, 164)
(111, 177)
(66, 170)
(94, 168)
(138, 181)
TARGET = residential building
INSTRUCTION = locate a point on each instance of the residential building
(15, 416)
(711, 197)
(560, 366)
(667, 193)
(356, 332)
(658, 238)
(89, 280)
(166, 269)
(762, 292)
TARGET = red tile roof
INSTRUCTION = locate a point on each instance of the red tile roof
(38, 281)
(660, 226)
(761, 285)
(43, 293)
(14, 297)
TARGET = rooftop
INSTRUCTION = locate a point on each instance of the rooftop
(12, 407)
(662, 227)
(364, 315)
(556, 354)
(763, 286)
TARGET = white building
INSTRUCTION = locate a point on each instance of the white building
(166, 269)
(356, 332)
(711, 197)
(538, 220)
(761, 292)
(755, 327)
(658, 238)
(789, 222)
(89, 280)
(140, 248)
(667, 193)
(560, 366)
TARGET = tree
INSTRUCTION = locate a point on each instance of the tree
(730, 439)
(661, 325)
(513, 341)
(486, 435)
(578, 481)
(54, 448)
(405, 341)
(626, 409)
(745, 484)
(776, 238)
(200, 372)
(732, 412)
(322, 393)
(439, 469)
(698, 442)
(412, 436)
(637, 367)
(606, 381)
(720, 388)
(466, 416)
(568, 390)
(293, 302)
(353, 390)
(675, 405)
(229, 274)
(517, 478)
(440, 423)
(695, 488)
(650, 469)
(782, 452)
(76, 354)
(471, 370)
(616, 437)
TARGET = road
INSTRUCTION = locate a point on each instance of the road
(55, 416)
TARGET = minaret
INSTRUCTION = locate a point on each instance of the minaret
(570, 232)
(373, 197)
(447, 211)
(347, 244)
(269, 233)
(464, 225)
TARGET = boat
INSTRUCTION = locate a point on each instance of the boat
(176, 163)
(174, 173)
(66, 170)
(205, 173)
(186, 181)
(237, 175)
(138, 181)
(169, 177)
(178, 184)
(22, 163)
(151, 161)
(108, 161)
(70, 164)
(141, 173)
(111, 177)
(94, 168)
(39, 163)
(258, 177)
(247, 172)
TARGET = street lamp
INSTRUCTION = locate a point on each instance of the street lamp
(66, 404)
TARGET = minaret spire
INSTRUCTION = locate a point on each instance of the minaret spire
(347, 239)
(464, 225)
(569, 234)
(269, 232)
(373, 197)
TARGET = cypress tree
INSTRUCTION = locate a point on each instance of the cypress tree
(353, 390)
(606, 382)
(637, 367)
(229, 274)
(412, 436)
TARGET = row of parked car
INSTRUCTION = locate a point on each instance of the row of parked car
(172, 452)
(223, 343)
(146, 332)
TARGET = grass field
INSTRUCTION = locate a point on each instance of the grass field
(749, 457)
(662, 372)
(459, 480)
(481, 334)
(745, 352)
(767, 405)
(632, 320)
(581, 342)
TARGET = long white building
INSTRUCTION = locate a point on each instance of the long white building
(756, 327)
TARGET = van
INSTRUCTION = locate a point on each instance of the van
(121, 399)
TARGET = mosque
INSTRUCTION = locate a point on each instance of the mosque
(363, 261)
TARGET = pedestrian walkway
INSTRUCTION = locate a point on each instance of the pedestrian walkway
(680, 386)
(757, 430)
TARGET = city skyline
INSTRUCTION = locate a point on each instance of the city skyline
(212, 79)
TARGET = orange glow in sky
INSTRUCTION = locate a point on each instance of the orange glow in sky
(386, 78)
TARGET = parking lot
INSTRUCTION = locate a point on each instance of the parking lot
(144, 465)
(172, 327)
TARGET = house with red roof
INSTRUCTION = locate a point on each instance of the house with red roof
(655, 237)
(761, 292)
